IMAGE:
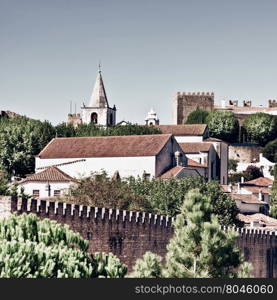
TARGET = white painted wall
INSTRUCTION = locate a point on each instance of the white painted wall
(248, 207)
(189, 139)
(127, 166)
(263, 163)
(41, 186)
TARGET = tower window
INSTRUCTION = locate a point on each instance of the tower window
(111, 119)
(94, 118)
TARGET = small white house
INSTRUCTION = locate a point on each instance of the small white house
(134, 155)
(50, 182)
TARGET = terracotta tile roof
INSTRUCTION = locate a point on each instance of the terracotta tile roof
(51, 174)
(195, 147)
(63, 164)
(194, 163)
(261, 181)
(183, 130)
(257, 189)
(244, 198)
(212, 139)
(108, 146)
(261, 218)
(176, 170)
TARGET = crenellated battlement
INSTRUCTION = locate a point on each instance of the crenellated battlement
(272, 103)
(183, 94)
(55, 208)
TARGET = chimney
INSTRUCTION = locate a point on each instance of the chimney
(229, 190)
(177, 155)
(238, 191)
(242, 179)
(260, 195)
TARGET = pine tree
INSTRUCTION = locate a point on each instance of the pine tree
(34, 248)
(199, 247)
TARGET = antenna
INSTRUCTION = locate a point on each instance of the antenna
(75, 107)
(70, 107)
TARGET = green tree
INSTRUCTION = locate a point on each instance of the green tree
(270, 151)
(223, 125)
(273, 200)
(166, 196)
(34, 248)
(261, 128)
(233, 164)
(199, 247)
(102, 191)
(20, 140)
(4, 184)
(198, 116)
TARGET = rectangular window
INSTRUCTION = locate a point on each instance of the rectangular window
(89, 236)
(36, 193)
(57, 193)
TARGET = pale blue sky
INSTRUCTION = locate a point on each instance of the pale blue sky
(49, 53)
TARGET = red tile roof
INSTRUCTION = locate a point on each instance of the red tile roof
(194, 163)
(51, 174)
(108, 146)
(183, 130)
(195, 147)
(176, 170)
(261, 218)
(261, 181)
(244, 198)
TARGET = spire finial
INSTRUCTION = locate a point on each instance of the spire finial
(99, 66)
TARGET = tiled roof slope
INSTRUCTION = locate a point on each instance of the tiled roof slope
(183, 130)
(51, 174)
(172, 173)
(193, 163)
(195, 147)
(261, 181)
(108, 146)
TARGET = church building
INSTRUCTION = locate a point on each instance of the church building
(98, 111)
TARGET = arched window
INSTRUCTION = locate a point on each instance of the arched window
(111, 119)
(94, 118)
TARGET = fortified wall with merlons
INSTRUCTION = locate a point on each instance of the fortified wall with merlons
(130, 234)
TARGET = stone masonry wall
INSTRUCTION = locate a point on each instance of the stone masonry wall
(130, 234)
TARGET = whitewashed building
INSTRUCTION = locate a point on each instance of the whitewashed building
(136, 155)
(48, 182)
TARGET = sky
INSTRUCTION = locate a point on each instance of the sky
(149, 50)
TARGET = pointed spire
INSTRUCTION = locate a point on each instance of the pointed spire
(98, 96)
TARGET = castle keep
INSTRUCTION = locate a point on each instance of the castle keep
(185, 103)
(130, 234)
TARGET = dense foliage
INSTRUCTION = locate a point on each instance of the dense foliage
(64, 130)
(250, 173)
(261, 128)
(233, 164)
(223, 125)
(270, 151)
(273, 201)
(198, 249)
(156, 196)
(198, 116)
(36, 248)
(20, 140)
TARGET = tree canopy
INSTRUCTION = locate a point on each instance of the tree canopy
(156, 196)
(198, 116)
(270, 151)
(261, 128)
(223, 125)
(34, 248)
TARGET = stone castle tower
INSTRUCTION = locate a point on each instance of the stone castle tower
(98, 111)
(185, 103)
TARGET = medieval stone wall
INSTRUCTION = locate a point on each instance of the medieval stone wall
(130, 234)
(245, 153)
